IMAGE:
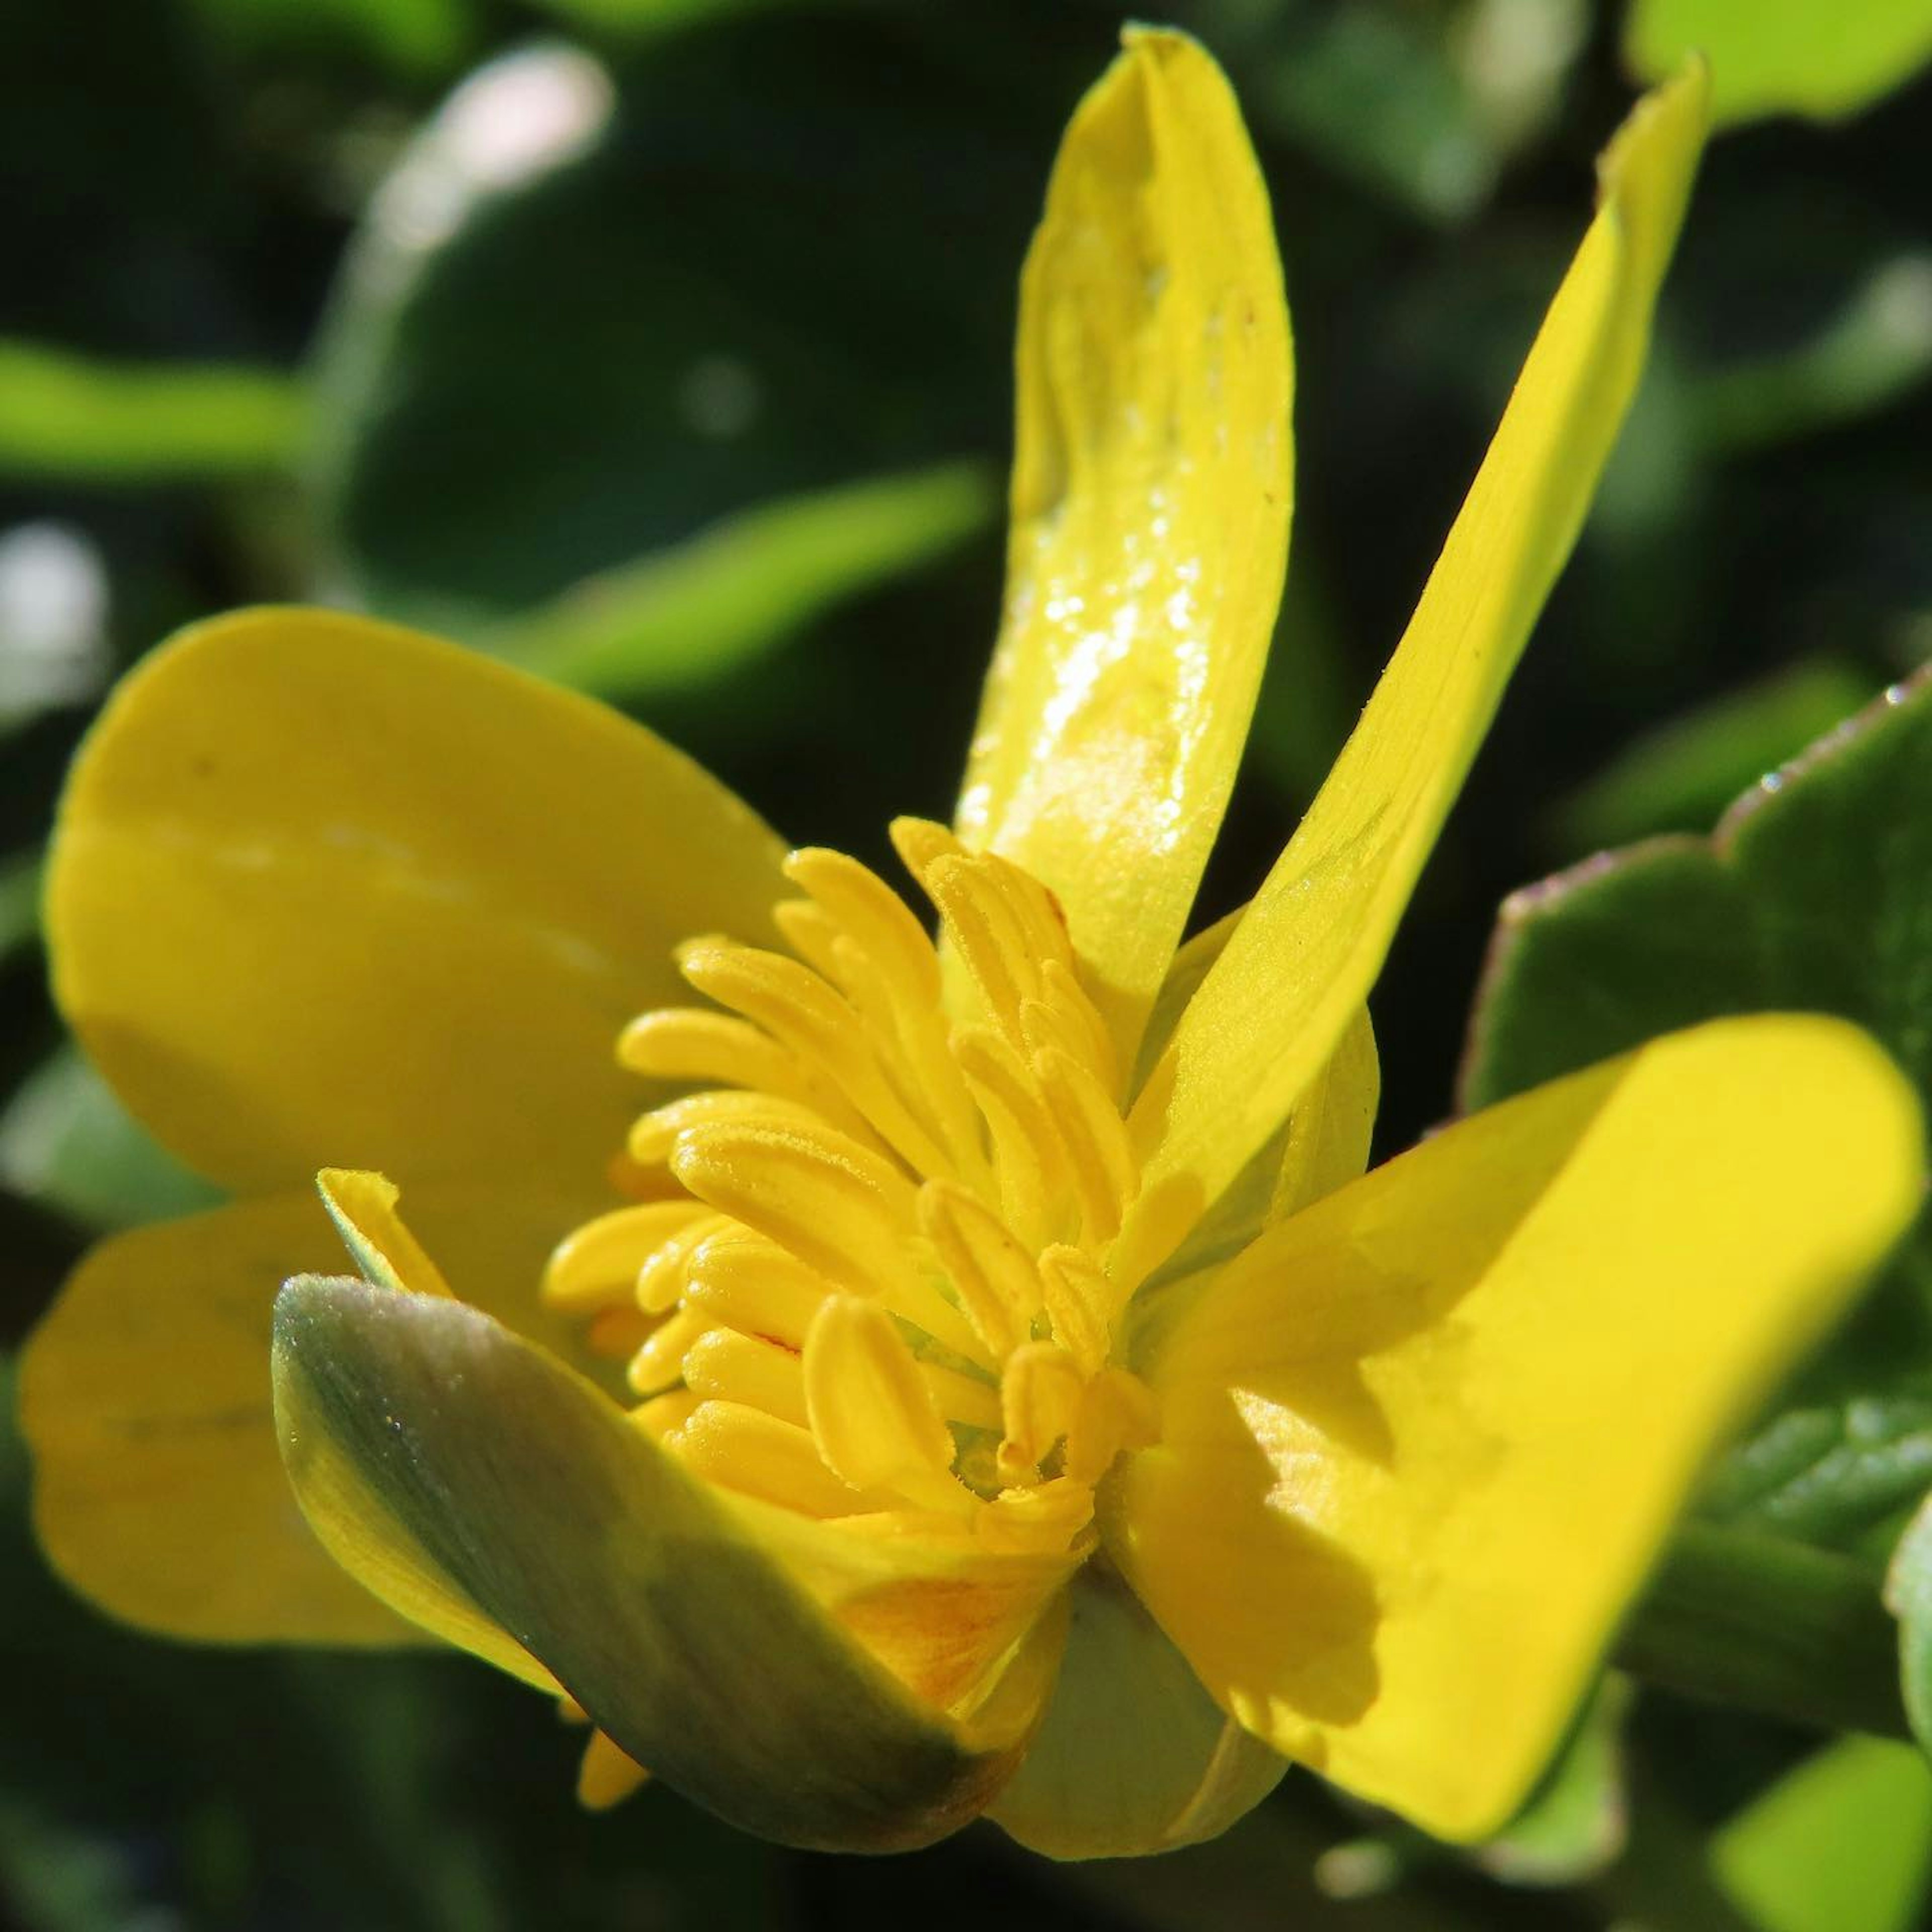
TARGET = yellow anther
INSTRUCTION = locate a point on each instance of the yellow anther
(1045, 1517)
(1080, 1018)
(963, 1398)
(1117, 1413)
(990, 940)
(749, 1283)
(879, 921)
(663, 1414)
(1039, 1402)
(732, 1367)
(1034, 1175)
(659, 1364)
(654, 1134)
(688, 1043)
(758, 1455)
(597, 1267)
(665, 1276)
(1078, 1303)
(607, 1775)
(617, 1333)
(811, 932)
(988, 1267)
(1035, 912)
(1105, 1172)
(806, 1014)
(873, 1417)
(841, 1210)
(920, 842)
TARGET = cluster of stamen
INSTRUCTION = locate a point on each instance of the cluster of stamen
(865, 1275)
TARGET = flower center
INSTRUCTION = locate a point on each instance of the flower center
(866, 1274)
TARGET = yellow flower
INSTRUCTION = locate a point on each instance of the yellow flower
(1025, 1402)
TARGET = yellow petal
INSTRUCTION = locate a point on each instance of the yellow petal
(1420, 1444)
(1150, 499)
(1309, 947)
(1133, 1756)
(534, 1498)
(158, 1488)
(324, 890)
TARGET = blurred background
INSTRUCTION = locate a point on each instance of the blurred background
(663, 347)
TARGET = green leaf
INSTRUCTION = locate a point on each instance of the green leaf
(1132, 1756)
(743, 587)
(1843, 1843)
(419, 1430)
(74, 418)
(1575, 1823)
(20, 904)
(1681, 776)
(1815, 894)
(68, 1144)
(1908, 1594)
(1778, 56)
(593, 312)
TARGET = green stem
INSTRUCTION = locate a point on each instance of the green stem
(1739, 1618)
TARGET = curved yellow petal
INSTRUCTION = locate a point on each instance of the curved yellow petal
(534, 1498)
(1133, 1757)
(144, 1395)
(322, 890)
(1309, 947)
(1420, 1444)
(1150, 497)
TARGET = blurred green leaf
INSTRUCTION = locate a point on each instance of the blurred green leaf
(1908, 1594)
(410, 36)
(83, 420)
(1815, 894)
(1777, 56)
(67, 1144)
(588, 315)
(19, 903)
(638, 17)
(741, 587)
(1842, 1844)
(1681, 776)
(1877, 347)
(1575, 1822)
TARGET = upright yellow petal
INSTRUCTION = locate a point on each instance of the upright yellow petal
(1420, 1444)
(324, 891)
(158, 1489)
(1150, 497)
(1310, 946)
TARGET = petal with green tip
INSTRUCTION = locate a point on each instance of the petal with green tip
(419, 1432)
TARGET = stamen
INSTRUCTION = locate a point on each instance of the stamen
(845, 1312)
(734, 1367)
(1039, 1402)
(872, 1415)
(597, 1267)
(1091, 1128)
(758, 1455)
(1031, 1163)
(840, 1209)
(995, 1281)
(750, 1284)
(1078, 1295)
(654, 1135)
(664, 1278)
(803, 1012)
